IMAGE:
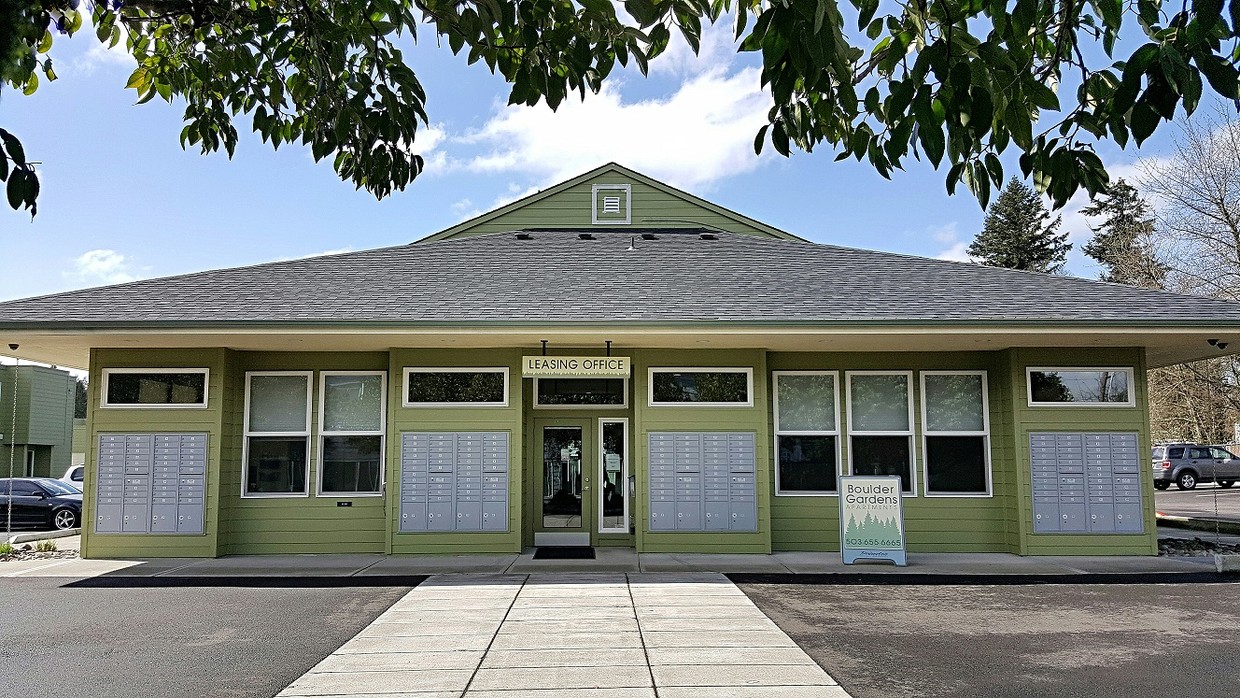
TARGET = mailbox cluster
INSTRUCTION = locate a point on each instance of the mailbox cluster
(702, 481)
(151, 483)
(454, 481)
(1085, 482)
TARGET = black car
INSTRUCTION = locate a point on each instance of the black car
(40, 503)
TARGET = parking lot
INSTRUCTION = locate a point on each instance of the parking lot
(1204, 501)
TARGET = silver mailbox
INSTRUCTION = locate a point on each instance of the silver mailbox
(453, 481)
(151, 483)
(1086, 482)
(702, 481)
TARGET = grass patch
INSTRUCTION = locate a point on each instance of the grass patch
(6, 549)
(45, 546)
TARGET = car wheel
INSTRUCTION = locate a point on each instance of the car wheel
(64, 519)
(1226, 483)
(1161, 485)
(1187, 480)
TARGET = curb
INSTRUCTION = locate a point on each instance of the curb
(43, 535)
(1194, 524)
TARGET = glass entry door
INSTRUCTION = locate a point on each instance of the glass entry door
(564, 504)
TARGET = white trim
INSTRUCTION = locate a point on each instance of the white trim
(835, 375)
(912, 442)
(1127, 370)
(206, 389)
(619, 406)
(246, 434)
(404, 384)
(747, 370)
(984, 433)
(624, 473)
(381, 432)
(628, 204)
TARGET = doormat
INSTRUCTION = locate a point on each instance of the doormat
(568, 552)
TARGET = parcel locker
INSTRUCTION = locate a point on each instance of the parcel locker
(1085, 482)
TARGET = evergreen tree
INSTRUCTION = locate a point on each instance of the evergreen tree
(1123, 243)
(1018, 233)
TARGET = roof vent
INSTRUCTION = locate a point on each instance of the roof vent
(649, 236)
(524, 236)
(709, 236)
(585, 236)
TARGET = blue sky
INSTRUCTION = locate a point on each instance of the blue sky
(122, 201)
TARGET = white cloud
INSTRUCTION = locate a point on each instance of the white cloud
(955, 250)
(717, 47)
(100, 57)
(696, 136)
(101, 267)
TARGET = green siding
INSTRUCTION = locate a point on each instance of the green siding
(648, 419)
(1079, 419)
(401, 419)
(310, 524)
(933, 524)
(570, 205)
(130, 420)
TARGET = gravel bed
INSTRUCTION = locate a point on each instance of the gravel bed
(26, 551)
(1194, 547)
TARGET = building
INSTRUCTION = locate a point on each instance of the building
(613, 362)
(36, 417)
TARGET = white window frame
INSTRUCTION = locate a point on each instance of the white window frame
(624, 473)
(912, 424)
(1132, 386)
(404, 385)
(206, 389)
(621, 406)
(381, 432)
(793, 432)
(747, 370)
(628, 204)
(984, 433)
(246, 434)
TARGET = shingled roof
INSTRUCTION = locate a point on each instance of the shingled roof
(680, 276)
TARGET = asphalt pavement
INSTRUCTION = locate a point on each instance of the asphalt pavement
(1035, 640)
(1207, 500)
(62, 641)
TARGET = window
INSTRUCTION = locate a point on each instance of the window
(581, 392)
(703, 387)
(806, 432)
(880, 425)
(1220, 453)
(155, 387)
(277, 434)
(456, 387)
(20, 488)
(1176, 452)
(351, 428)
(1080, 387)
(956, 433)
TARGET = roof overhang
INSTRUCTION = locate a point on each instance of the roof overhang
(1164, 345)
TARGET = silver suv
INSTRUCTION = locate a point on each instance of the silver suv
(1188, 464)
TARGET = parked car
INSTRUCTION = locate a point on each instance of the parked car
(40, 503)
(75, 475)
(1188, 464)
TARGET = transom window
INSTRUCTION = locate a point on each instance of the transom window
(581, 392)
(277, 434)
(956, 433)
(880, 425)
(155, 387)
(1080, 387)
(702, 387)
(352, 410)
(806, 432)
(456, 387)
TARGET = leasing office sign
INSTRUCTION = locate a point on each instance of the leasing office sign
(871, 519)
(575, 367)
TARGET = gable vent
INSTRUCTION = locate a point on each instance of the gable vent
(611, 204)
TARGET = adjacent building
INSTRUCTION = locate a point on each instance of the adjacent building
(36, 421)
(613, 362)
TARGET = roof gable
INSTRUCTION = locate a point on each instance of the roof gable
(578, 203)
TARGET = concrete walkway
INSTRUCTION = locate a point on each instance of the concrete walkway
(562, 636)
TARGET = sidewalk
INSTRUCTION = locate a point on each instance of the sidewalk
(376, 568)
(570, 636)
